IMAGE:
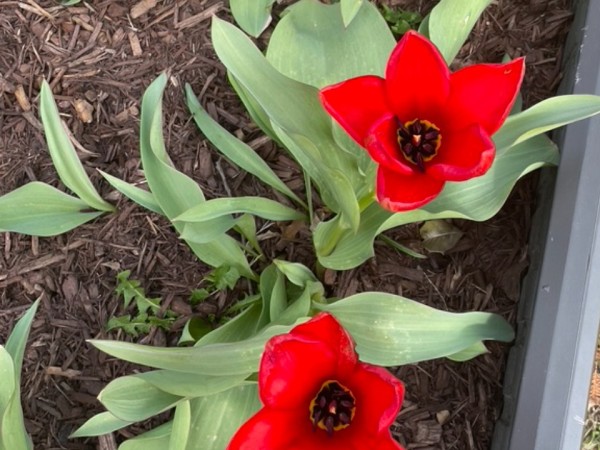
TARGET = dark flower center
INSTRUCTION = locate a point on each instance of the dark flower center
(333, 408)
(419, 141)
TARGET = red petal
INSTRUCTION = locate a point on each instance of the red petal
(292, 370)
(356, 104)
(417, 79)
(485, 93)
(382, 145)
(397, 192)
(379, 396)
(463, 155)
(271, 430)
(325, 328)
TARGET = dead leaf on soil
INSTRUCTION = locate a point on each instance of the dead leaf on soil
(439, 236)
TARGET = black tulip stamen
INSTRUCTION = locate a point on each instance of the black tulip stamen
(333, 408)
(419, 141)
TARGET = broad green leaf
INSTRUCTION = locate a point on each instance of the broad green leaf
(190, 384)
(475, 350)
(390, 330)
(140, 196)
(65, 159)
(245, 225)
(15, 345)
(545, 116)
(336, 190)
(349, 10)
(100, 424)
(39, 209)
(257, 206)
(181, 427)
(300, 306)
(450, 23)
(241, 327)
(235, 150)
(253, 16)
(297, 273)
(7, 375)
(174, 191)
(131, 398)
(257, 112)
(13, 435)
(236, 358)
(216, 418)
(293, 108)
(156, 439)
(477, 199)
(273, 293)
(313, 45)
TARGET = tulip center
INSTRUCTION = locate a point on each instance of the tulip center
(419, 141)
(333, 408)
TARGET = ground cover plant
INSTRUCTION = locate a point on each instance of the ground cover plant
(243, 267)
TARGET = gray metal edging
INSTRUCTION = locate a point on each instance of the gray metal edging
(548, 407)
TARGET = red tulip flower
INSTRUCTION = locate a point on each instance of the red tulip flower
(422, 124)
(318, 396)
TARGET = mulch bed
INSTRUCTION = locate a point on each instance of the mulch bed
(104, 54)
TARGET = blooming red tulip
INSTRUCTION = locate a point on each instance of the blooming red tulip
(422, 124)
(318, 396)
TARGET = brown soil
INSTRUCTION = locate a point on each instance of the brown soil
(98, 52)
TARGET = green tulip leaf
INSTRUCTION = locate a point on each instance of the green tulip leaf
(100, 424)
(253, 16)
(390, 330)
(155, 439)
(274, 295)
(345, 50)
(174, 191)
(235, 150)
(471, 352)
(180, 433)
(140, 196)
(450, 23)
(131, 398)
(257, 206)
(297, 273)
(545, 116)
(236, 358)
(242, 326)
(296, 116)
(65, 159)
(39, 209)
(476, 199)
(15, 345)
(350, 9)
(215, 419)
(7, 375)
(190, 384)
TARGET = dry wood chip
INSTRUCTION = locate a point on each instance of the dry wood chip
(22, 99)
(83, 109)
(200, 17)
(57, 371)
(141, 8)
(134, 42)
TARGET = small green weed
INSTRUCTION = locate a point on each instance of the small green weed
(147, 308)
(220, 279)
(401, 21)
